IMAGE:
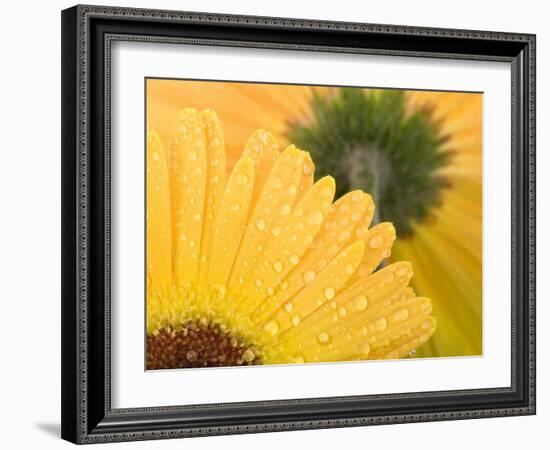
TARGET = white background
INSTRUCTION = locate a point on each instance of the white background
(133, 387)
(30, 226)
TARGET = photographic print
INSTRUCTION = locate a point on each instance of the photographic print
(292, 224)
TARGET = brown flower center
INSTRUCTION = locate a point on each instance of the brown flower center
(197, 345)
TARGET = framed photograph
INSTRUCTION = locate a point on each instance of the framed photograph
(281, 224)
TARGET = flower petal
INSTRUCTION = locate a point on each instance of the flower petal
(215, 184)
(187, 188)
(345, 215)
(231, 220)
(288, 243)
(159, 235)
(274, 202)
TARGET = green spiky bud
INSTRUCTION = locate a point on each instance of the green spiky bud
(370, 140)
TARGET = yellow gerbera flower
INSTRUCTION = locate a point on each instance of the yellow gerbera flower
(259, 266)
(445, 250)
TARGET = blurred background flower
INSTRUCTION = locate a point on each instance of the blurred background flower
(418, 153)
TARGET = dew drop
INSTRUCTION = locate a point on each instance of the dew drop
(426, 307)
(197, 217)
(275, 231)
(380, 324)
(326, 191)
(360, 303)
(198, 171)
(235, 206)
(294, 259)
(364, 348)
(292, 189)
(156, 156)
(278, 266)
(192, 243)
(344, 235)
(260, 224)
(349, 269)
(309, 276)
(215, 179)
(289, 306)
(293, 237)
(342, 312)
(191, 156)
(323, 338)
(426, 325)
(270, 290)
(376, 241)
(315, 217)
(402, 271)
(284, 285)
(299, 359)
(401, 314)
(285, 209)
(258, 282)
(241, 179)
(272, 327)
(356, 197)
(329, 293)
(356, 217)
(295, 320)
(362, 231)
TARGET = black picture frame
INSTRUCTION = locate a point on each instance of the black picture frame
(87, 33)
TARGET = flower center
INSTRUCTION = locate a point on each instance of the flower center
(376, 142)
(198, 345)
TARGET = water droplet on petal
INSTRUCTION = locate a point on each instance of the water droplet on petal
(285, 209)
(360, 303)
(191, 355)
(294, 259)
(329, 293)
(258, 282)
(356, 197)
(323, 338)
(295, 320)
(260, 224)
(275, 231)
(278, 266)
(401, 314)
(376, 241)
(272, 327)
(349, 269)
(292, 189)
(289, 306)
(197, 217)
(364, 348)
(380, 324)
(191, 156)
(342, 311)
(426, 307)
(426, 325)
(315, 217)
(309, 276)
(241, 179)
